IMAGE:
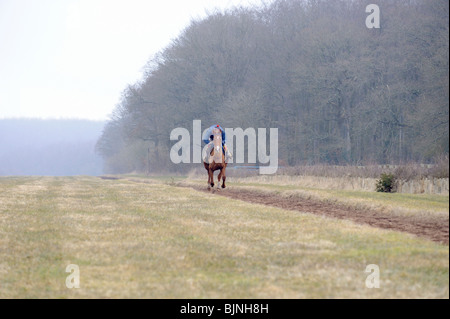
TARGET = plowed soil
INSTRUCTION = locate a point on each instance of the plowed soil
(434, 228)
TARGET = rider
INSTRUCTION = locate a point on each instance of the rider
(208, 139)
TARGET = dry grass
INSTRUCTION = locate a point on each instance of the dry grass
(423, 186)
(412, 178)
(154, 240)
(423, 205)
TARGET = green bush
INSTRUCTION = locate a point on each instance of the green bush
(386, 183)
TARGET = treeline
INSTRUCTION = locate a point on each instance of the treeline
(49, 147)
(338, 92)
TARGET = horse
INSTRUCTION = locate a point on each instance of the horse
(217, 160)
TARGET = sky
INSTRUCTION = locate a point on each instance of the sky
(74, 58)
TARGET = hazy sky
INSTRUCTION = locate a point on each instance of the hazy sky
(73, 58)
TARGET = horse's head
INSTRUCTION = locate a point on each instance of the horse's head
(217, 141)
(217, 136)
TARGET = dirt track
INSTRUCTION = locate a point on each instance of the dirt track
(436, 229)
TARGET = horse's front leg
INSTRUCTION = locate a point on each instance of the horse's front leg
(223, 177)
(209, 180)
(207, 171)
(219, 177)
(211, 177)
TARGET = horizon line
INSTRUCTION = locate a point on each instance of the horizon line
(54, 118)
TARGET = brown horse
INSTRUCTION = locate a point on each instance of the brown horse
(217, 160)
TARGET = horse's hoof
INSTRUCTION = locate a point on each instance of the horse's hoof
(223, 186)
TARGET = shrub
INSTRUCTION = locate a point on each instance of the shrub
(441, 167)
(386, 183)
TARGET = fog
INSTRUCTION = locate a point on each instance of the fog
(49, 147)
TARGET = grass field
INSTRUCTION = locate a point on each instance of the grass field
(149, 238)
